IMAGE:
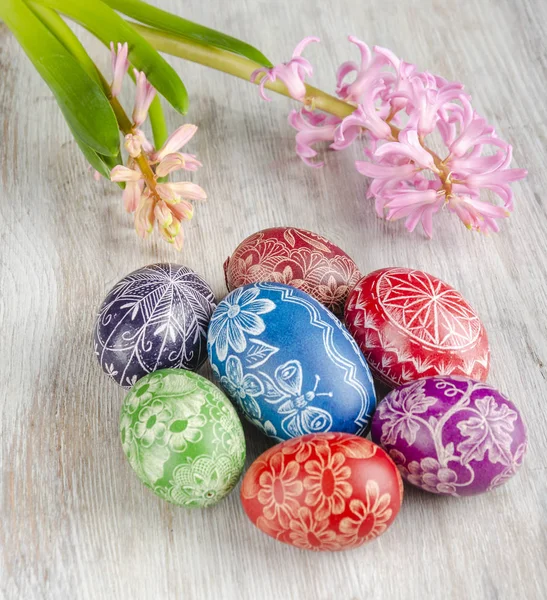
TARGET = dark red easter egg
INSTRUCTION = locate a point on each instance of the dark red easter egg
(323, 491)
(409, 325)
(296, 257)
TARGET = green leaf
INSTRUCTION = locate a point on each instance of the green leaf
(80, 98)
(108, 27)
(66, 36)
(100, 162)
(161, 19)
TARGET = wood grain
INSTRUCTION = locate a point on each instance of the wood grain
(75, 522)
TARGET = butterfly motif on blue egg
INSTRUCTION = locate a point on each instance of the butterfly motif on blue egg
(294, 402)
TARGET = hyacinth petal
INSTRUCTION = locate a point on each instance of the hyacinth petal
(408, 199)
(120, 64)
(474, 164)
(144, 216)
(179, 138)
(179, 240)
(496, 178)
(302, 45)
(416, 206)
(188, 190)
(257, 72)
(413, 219)
(122, 173)
(389, 55)
(292, 73)
(266, 76)
(182, 210)
(427, 222)
(364, 117)
(468, 137)
(312, 128)
(343, 71)
(146, 145)
(163, 214)
(172, 192)
(144, 95)
(351, 133)
(380, 171)
(368, 77)
(408, 147)
(477, 215)
(132, 195)
(292, 79)
(364, 50)
(132, 144)
(175, 161)
(166, 192)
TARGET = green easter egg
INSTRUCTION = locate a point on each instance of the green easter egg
(182, 437)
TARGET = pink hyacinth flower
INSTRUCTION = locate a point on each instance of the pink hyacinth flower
(312, 127)
(365, 117)
(477, 215)
(292, 73)
(427, 102)
(367, 74)
(415, 206)
(144, 95)
(120, 64)
(408, 147)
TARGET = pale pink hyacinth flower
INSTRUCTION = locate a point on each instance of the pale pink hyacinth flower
(292, 73)
(152, 201)
(120, 64)
(144, 95)
(396, 108)
(168, 204)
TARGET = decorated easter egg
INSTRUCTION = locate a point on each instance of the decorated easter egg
(324, 491)
(295, 257)
(451, 435)
(154, 318)
(288, 363)
(410, 324)
(182, 437)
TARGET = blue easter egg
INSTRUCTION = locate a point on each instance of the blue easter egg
(288, 363)
(154, 318)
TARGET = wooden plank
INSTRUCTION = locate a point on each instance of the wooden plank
(75, 522)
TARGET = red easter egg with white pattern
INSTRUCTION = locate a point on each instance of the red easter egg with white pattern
(323, 491)
(410, 325)
(296, 257)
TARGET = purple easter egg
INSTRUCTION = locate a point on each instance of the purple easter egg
(451, 435)
(154, 318)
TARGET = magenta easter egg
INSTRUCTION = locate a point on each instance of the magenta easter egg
(296, 257)
(451, 435)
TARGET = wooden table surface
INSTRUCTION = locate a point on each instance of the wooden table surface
(75, 522)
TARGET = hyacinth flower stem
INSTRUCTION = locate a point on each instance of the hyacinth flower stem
(126, 127)
(242, 67)
(239, 66)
